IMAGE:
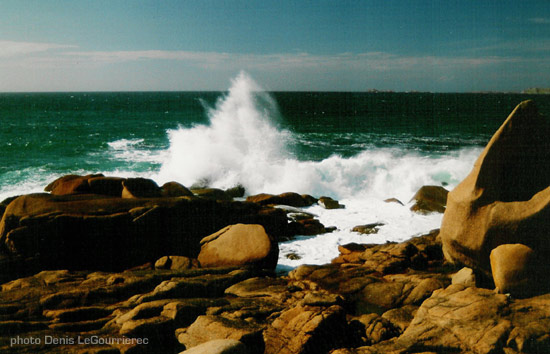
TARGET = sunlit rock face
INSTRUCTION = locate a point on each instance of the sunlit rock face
(506, 197)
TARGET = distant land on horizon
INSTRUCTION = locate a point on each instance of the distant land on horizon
(537, 90)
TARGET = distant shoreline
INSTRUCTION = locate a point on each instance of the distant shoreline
(537, 91)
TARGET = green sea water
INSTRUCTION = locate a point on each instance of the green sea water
(43, 135)
(359, 148)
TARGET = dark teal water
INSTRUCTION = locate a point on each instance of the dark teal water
(43, 135)
(428, 122)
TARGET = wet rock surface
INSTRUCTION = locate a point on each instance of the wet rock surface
(329, 203)
(367, 229)
(430, 199)
(289, 198)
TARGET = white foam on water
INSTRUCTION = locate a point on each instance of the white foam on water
(123, 144)
(135, 151)
(399, 224)
(362, 183)
(27, 187)
(27, 181)
(242, 145)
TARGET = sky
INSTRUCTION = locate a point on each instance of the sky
(339, 45)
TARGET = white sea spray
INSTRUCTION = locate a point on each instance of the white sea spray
(242, 145)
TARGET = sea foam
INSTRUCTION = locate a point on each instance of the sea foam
(239, 146)
(243, 145)
(134, 151)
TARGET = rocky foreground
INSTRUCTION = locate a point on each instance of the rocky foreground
(399, 298)
(114, 265)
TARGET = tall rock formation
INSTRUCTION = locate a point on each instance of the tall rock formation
(506, 197)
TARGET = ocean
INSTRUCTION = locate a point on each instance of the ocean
(357, 147)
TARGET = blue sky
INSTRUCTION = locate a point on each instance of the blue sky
(444, 46)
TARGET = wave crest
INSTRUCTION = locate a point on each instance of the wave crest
(241, 144)
(239, 141)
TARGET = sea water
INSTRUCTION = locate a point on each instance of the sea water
(359, 148)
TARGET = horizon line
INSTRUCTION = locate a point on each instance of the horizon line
(277, 91)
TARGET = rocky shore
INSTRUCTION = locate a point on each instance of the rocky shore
(121, 265)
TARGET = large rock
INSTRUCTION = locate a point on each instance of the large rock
(235, 192)
(308, 227)
(515, 270)
(175, 189)
(106, 185)
(140, 188)
(107, 233)
(329, 203)
(4, 205)
(89, 184)
(70, 184)
(506, 197)
(239, 245)
(430, 199)
(289, 198)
